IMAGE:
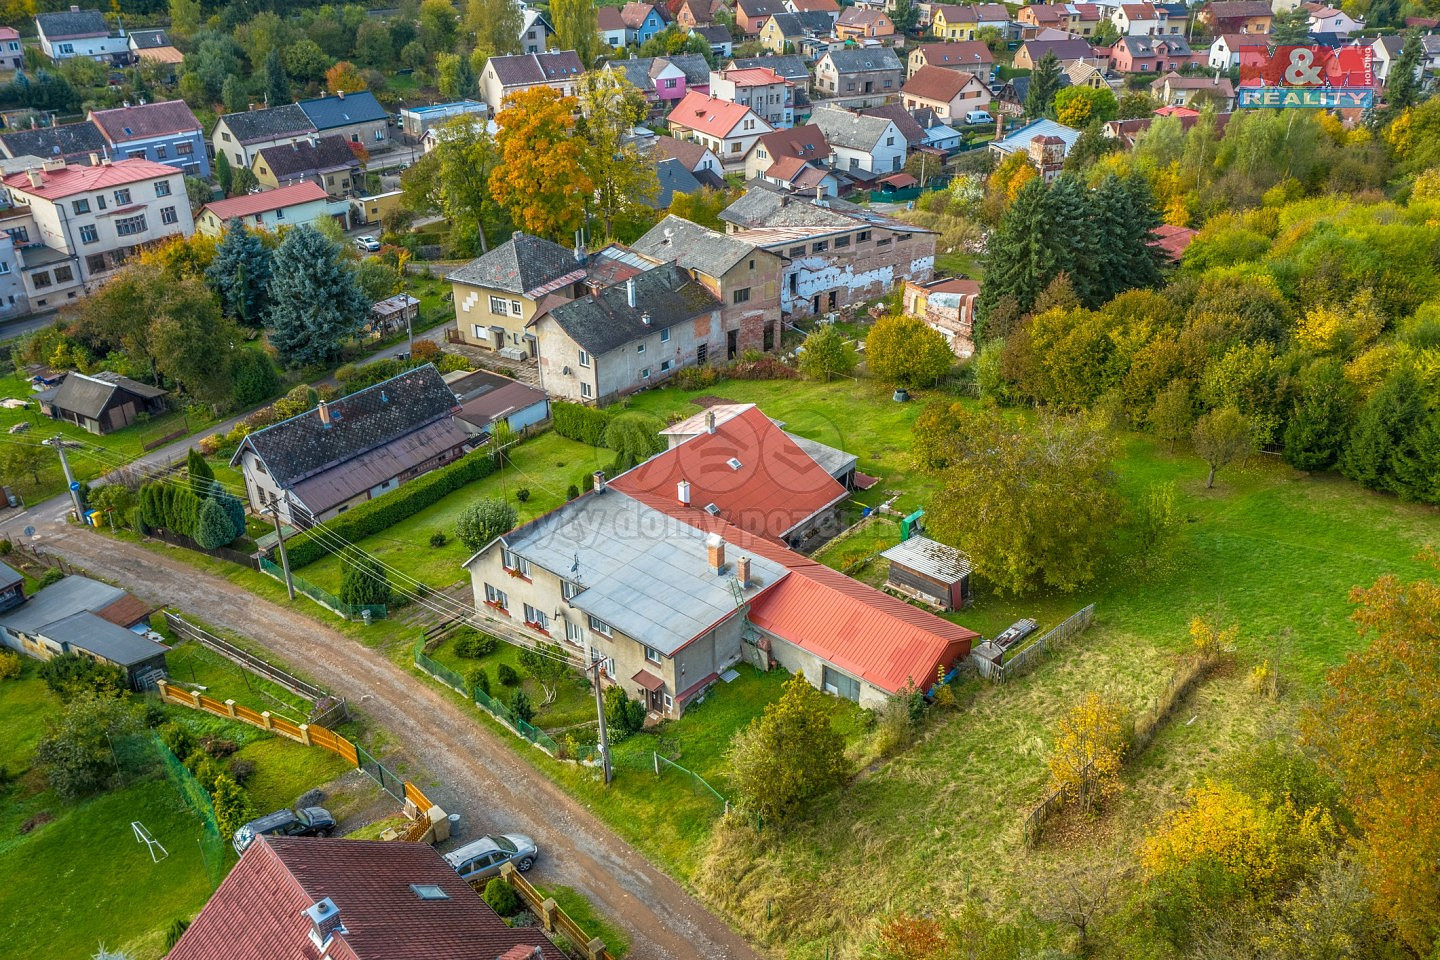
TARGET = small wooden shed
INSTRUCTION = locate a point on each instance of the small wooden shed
(929, 572)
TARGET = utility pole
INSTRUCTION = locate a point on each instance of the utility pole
(58, 442)
(600, 713)
(274, 511)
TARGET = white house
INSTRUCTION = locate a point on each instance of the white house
(1225, 50)
(1334, 20)
(81, 33)
(296, 205)
(728, 129)
(872, 145)
(534, 28)
(1139, 20)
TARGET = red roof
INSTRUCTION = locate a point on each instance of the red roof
(753, 77)
(265, 201)
(257, 914)
(144, 120)
(70, 180)
(775, 488)
(938, 84)
(710, 115)
(1174, 240)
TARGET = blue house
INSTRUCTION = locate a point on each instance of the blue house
(642, 21)
(166, 132)
(358, 117)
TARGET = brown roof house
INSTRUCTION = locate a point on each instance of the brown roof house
(1237, 16)
(855, 23)
(321, 463)
(102, 402)
(1177, 91)
(797, 158)
(506, 76)
(950, 93)
(973, 56)
(327, 162)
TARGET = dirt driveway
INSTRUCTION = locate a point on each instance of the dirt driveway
(481, 779)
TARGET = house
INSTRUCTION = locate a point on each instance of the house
(534, 29)
(948, 306)
(631, 335)
(351, 900)
(300, 204)
(1140, 20)
(152, 46)
(697, 13)
(939, 138)
(1085, 18)
(358, 117)
(504, 77)
(1386, 50)
(830, 7)
(73, 143)
(784, 32)
(860, 144)
(1152, 55)
(325, 161)
(14, 302)
(487, 398)
(972, 56)
(1225, 49)
(750, 15)
(673, 178)
(806, 144)
(77, 615)
(744, 278)
(856, 22)
(498, 294)
(1019, 138)
(374, 208)
(904, 121)
(930, 572)
(790, 66)
(859, 73)
(717, 35)
(415, 121)
(12, 588)
(1173, 241)
(1032, 52)
(837, 463)
(1334, 20)
(964, 22)
(81, 33)
(697, 158)
(101, 403)
(727, 129)
(950, 93)
(1011, 99)
(320, 463)
(240, 135)
(665, 614)
(1082, 74)
(12, 54)
(666, 80)
(1236, 16)
(611, 27)
(84, 222)
(166, 132)
(768, 94)
(836, 254)
(1177, 91)
(642, 21)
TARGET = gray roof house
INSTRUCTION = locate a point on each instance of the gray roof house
(240, 135)
(327, 161)
(322, 462)
(358, 117)
(872, 73)
(861, 145)
(506, 76)
(101, 403)
(692, 246)
(497, 295)
(75, 143)
(674, 178)
(81, 33)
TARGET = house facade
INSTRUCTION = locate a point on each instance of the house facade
(327, 162)
(81, 33)
(964, 22)
(497, 294)
(240, 135)
(728, 129)
(769, 95)
(750, 15)
(784, 32)
(1176, 91)
(1236, 16)
(1152, 55)
(972, 56)
(506, 76)
(166, 132)
(12, 54)
(859, 73)
(642, 21)
(1032, 52)
(949, 93)
(611, 27)
(856, 23)
(534, 31)
(948, 306)
(358, 117)
(872, 145)
(298, 205)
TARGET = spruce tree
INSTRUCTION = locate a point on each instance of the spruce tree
(277, 84)
(1044, 84)
(213, 527)
(1315, 434)
(1072, 230)
(240, 275)
(363, 583)
(1022, 255)
(1142, 258)
(1403, 88)
(1417, 463)
(315, 301)
(1390, 416)
(1109, 220)
(202, 478)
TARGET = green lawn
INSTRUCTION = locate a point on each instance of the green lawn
(194, 667)
(574, 700)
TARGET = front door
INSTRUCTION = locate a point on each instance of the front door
(732, 344)
(657, 701)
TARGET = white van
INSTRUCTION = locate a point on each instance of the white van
(978, 116)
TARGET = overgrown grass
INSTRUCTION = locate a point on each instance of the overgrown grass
(579, 908)
(574, 699)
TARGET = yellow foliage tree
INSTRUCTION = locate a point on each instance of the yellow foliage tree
(181, 257)
(1332, 328)
(1211, 638)
(1018, 179)
(1427, 186)
(1089, 752)
(541, 180)
(344, 77)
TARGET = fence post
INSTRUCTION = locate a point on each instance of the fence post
(230, 708)
(305, 734)
(195, 699)
(269, 722)
(548, 909)
(595, 949)
(656, 758)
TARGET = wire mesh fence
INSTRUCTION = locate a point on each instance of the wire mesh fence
(484, 701)
(197, 801)
(389, 782)
(326, 599)
(702, 787)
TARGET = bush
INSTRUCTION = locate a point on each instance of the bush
(521, 706)
(576, 421)
(52, 575)
(484, 521)
(571, 493)
(502, 897)
(218, 746)
(425, 351)
(385, 511)
(177, 737)
(478, 679)
(233, 807)
(472, 644)
(623, 716)
(255, 378)
(177, 929)
(507, 676)
(635, 438)
(364, 583)
(523, 494)
(438, 539)
(11, 666)
(77, 750)
(6, 547)
(71, 675)
(242, 770)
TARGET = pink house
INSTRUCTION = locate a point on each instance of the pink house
(1152, 54)
(665, 80)
(12, 57)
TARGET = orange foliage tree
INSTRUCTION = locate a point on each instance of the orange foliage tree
(344, 77)
(540, 180)
(1377, 732)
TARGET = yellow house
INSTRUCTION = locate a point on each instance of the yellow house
(496, 295)
(373, 209)
(955, 29)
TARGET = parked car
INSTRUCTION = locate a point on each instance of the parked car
(978, 116)
(367, 242)
(482, 859)
(304, 822)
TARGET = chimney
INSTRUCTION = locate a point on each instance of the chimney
(599, 481)
(579, 249)
(324, 409)
(742, 571)
(715, 553)
(36, 180)
(340, 94)
(630, 292)
(682, 492)
(94, 159)
(645, 318)
(709, 421)
(324, 919)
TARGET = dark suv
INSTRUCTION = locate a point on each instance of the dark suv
(304, 822)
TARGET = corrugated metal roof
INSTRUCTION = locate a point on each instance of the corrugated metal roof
(74, 594)
(924, 555)
(86, 631)
(372, 468)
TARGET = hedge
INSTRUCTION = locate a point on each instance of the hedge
(385, 511)
(579, 422)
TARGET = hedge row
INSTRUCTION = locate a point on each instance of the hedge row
(385, 511)
(576, 421)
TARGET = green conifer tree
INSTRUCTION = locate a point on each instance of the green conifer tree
(315, 301)
(240, 275)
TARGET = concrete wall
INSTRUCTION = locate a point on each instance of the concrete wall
(14, 301)
(869, 268)
(795, 659)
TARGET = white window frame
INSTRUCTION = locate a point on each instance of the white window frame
(499, 307)
(585, 391)
(600, 626)
(584, 359)
(665, 336)
(497, 596)
(658, 656)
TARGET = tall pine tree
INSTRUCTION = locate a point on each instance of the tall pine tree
(277, 83)
(240, 275)
(1403, 88)
(1044, 84)
(315, 301)
(1391, 415)
(1021, 256)
(1320, 420)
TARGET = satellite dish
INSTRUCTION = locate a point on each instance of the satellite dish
(30, 531)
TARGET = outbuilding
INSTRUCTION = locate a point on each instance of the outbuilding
(929, 572)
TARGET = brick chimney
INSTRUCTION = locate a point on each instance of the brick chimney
(742, 571)
(715, 553)
(599, 481)
(324, 410)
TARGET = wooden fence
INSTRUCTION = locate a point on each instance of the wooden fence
(1027, 656)
(552, 918)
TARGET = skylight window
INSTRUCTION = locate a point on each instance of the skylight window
(711, 509)
(429, 891)
(734, 463)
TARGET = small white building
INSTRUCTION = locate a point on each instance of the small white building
(81, 33)
(728, 129)
(300, 204)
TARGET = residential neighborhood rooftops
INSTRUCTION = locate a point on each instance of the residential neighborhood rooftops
(753, 77)
(275, 123)
(524, 69)
(692, 246)
(805, 142)
(956, 53)
(148, 39)
(343, 109)
(145, 120)
(812, 23)
(258, 913)
(608, 18)
(1020, 137)
(687, 152)
(851, 130)
(762, 205)
(250, 204)
(1230, 9)
(70, 141)
(309, 155)
(863, 60)
(1067, 49)
(72, 23)
(790, 66)
(663, 296)
(1173, 240)
(523, 264)
(937, 83)
(64, 598)
(486, 397)
(903, 119)
(708, 115)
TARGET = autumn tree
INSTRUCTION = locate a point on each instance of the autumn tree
(1220, 437)
(825, 355)
(1078, 106)
(1376, 729)
(1171, 416)
(454, 76)
(789, 755)
(907, 352)
(454, 179)
(1078, 894)
(703, 206)
(624, 177)
(576, 28)
(496, 26)
(1089, 751)
(541, 179)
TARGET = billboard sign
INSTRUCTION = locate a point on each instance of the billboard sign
(1306, 76)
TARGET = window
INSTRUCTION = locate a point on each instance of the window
(5, 268)
(479, 332)
(889, 141)
(183, 149)
(839, 684)
(645, 374)
(515, 562)
(80, 206)
(574, 634)
(499, 306)
(64, 274)
(841, 243)
(568, 590)
(883, 242)
(496, 598)
(161, 153)
(820, 246)
(225, 137)
(380, 135)
(95, 263)
(537, 617)
(19, 234)
(584, 359)
(652, 655)
(639, 348)
(600, 627)
(135, 155)
(797, 252)
(516, 309)
(88, 234)
(40, 280)
(741, 296)
(902, 237)
(735, 147)
(162, 187)
(130, 226)
(585, 391)
(122, 197)
(702, 353)
(168, 215)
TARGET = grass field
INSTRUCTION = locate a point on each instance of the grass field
(574, 699)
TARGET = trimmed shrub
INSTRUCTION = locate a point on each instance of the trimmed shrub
(11, 665)
(523, 494)
(478, 679)
(521, 706)
(6, 547)
(578, 422)
(438, 539)
(242, 770)
(507, 676)
(385, 511)
(571, 493)
(472, 644)
(483, 521)
(623, 715)
(502, 897)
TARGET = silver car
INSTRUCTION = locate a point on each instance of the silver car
(481, 859)
(367, 242)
